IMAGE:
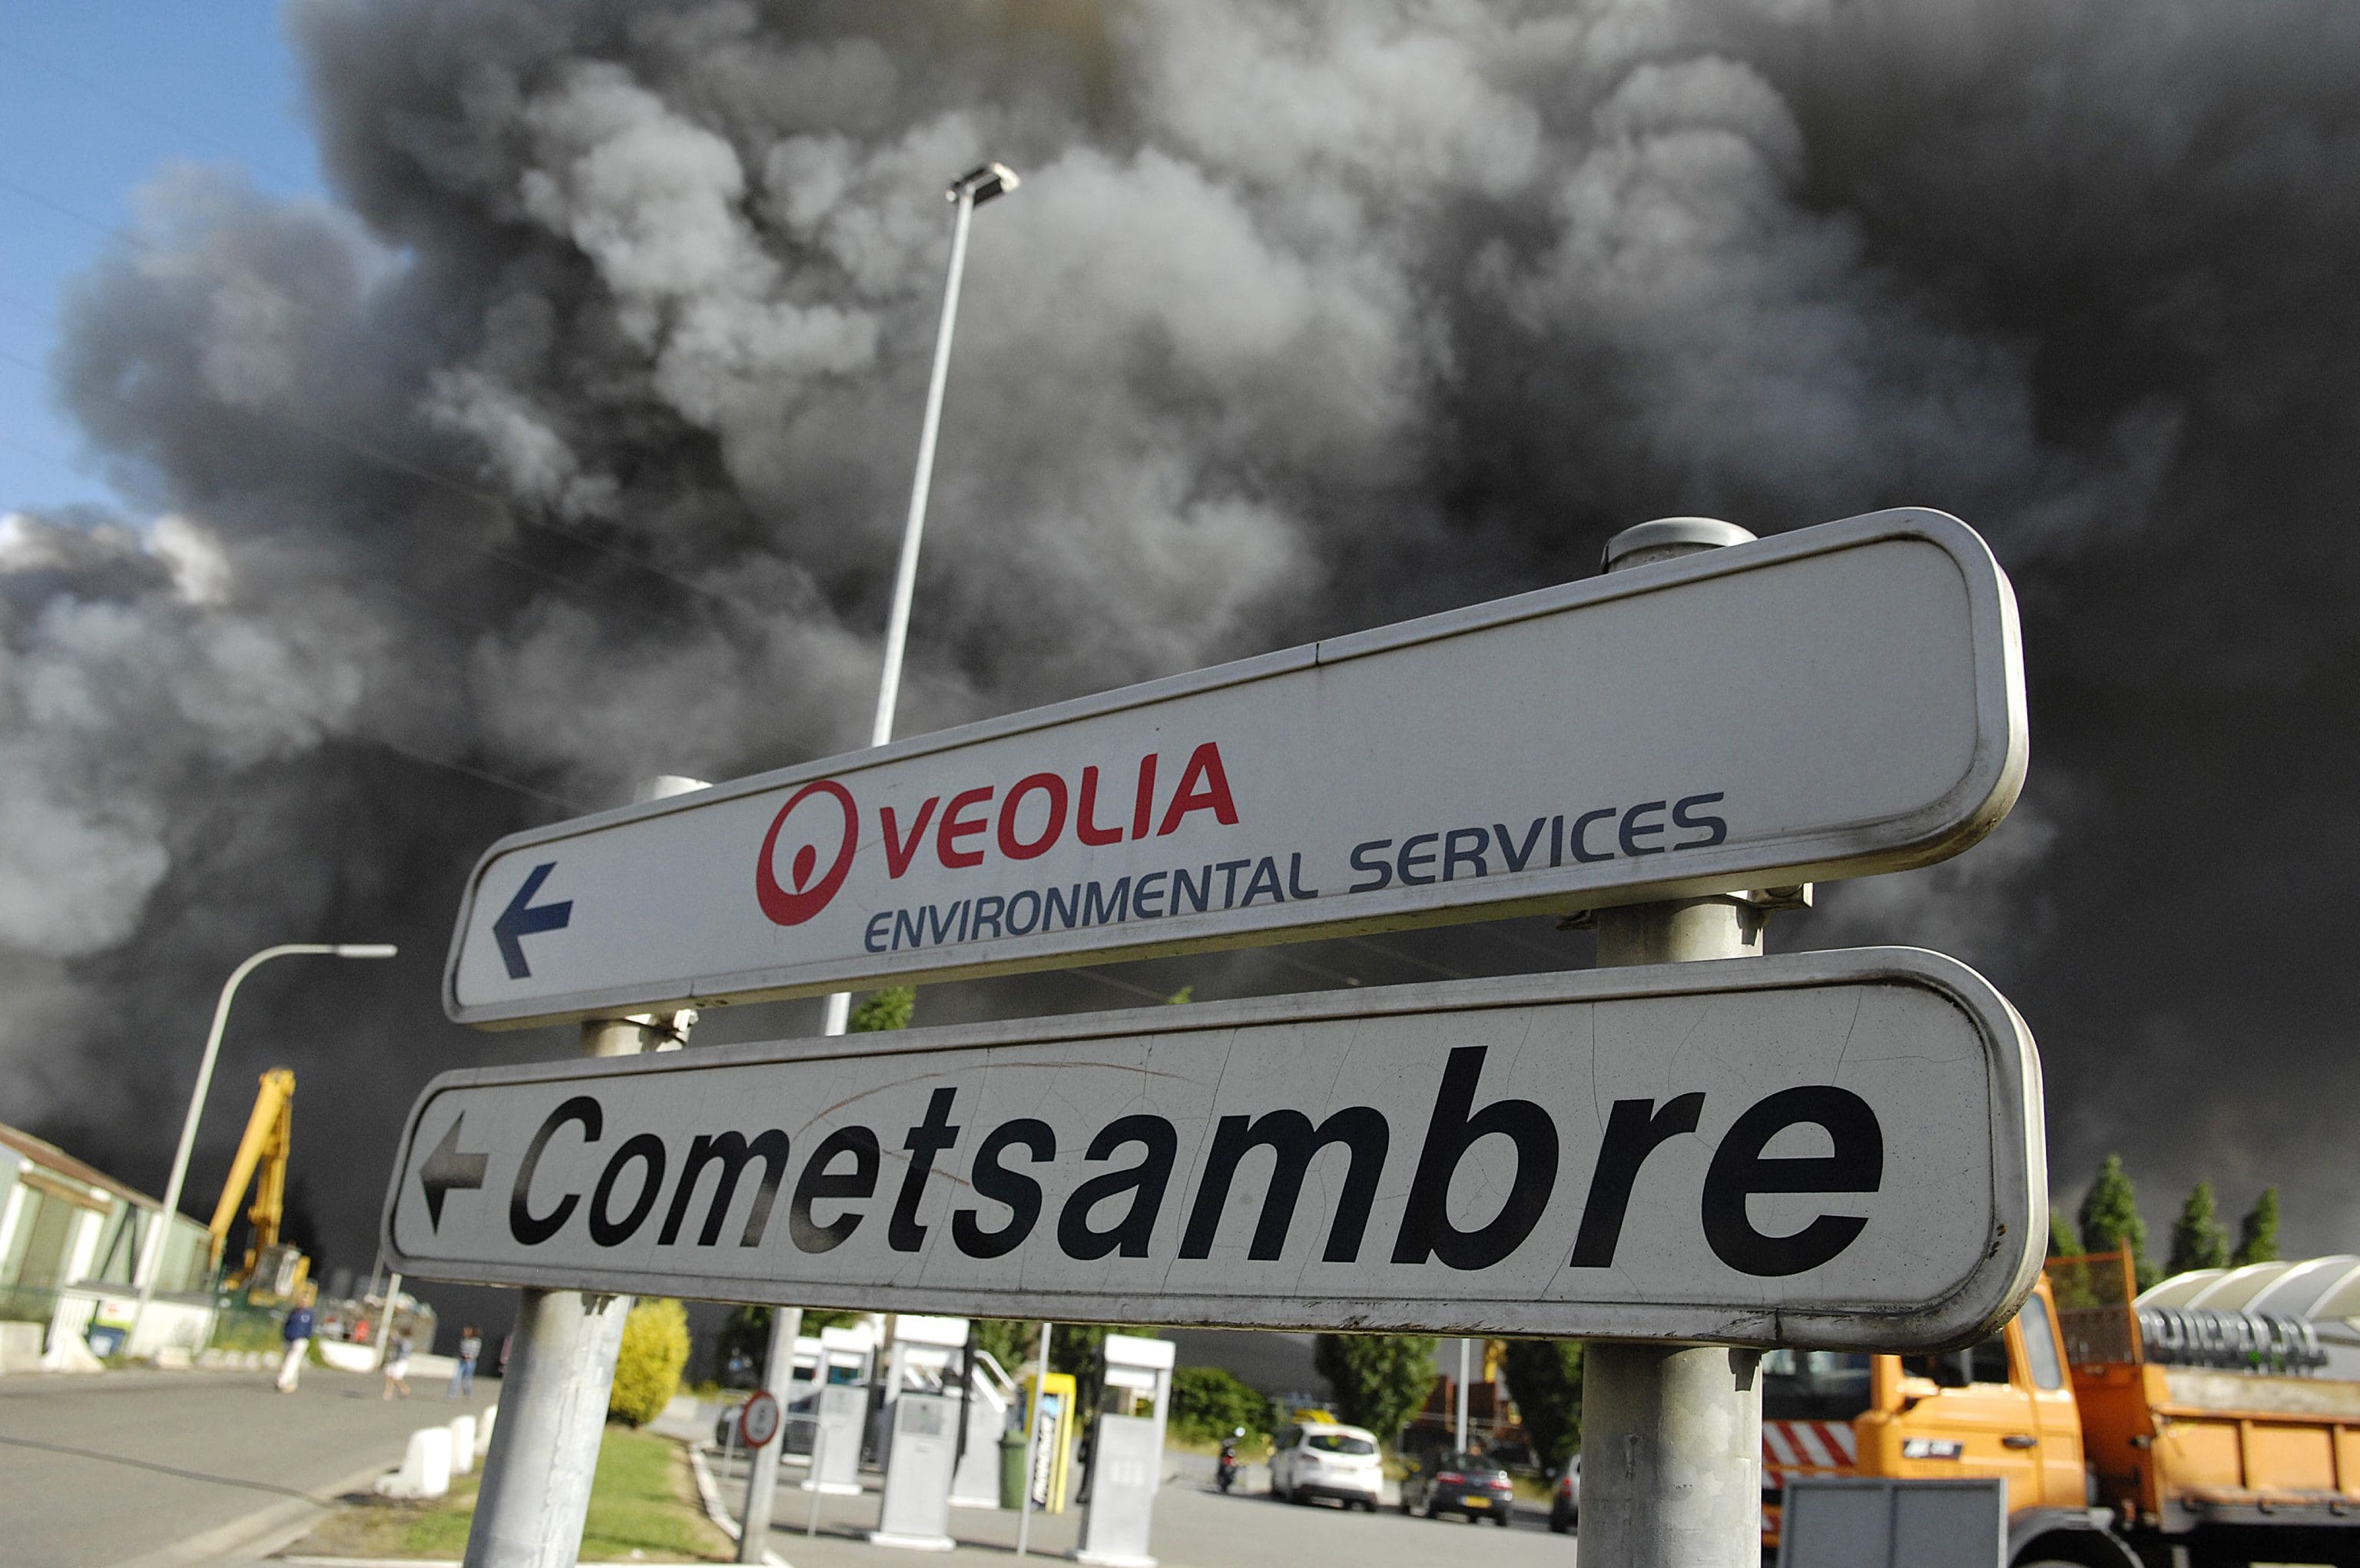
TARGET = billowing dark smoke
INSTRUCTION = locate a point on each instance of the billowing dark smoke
(570, 447)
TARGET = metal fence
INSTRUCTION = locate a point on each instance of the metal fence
(2094, 1308)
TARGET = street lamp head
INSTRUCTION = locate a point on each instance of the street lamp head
(981, 183)
(365, 950)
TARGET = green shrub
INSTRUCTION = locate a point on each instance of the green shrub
(1207, 1404)
(888, 1009)
(647, 1369)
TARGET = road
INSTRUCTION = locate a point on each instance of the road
(105, 1470)
(1195, 1526)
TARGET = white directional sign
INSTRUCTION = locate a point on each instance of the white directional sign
(1831, 702)
(1837, 1149)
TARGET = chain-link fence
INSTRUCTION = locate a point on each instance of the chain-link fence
(2094, 1308)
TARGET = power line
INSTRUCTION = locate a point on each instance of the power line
(268, 294)
(1443, 970)
(1123, 985)
(37, 452)
(50, 68)
(574, 807)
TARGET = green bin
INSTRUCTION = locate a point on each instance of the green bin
(1011, 1469)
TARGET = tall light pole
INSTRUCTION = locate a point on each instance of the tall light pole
(151, 1255)
(968, 191)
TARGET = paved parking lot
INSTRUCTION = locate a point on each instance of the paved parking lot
(1195, 1526)
(106, 1469)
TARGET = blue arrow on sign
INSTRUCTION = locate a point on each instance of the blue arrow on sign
(516, 921)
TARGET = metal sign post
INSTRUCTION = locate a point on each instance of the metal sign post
(1671, 1434)
(544, 1453)
(1033, 1446)
(536, 1487)
(1319, 790)
(762, 1465)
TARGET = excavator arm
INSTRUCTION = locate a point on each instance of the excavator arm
(261, 1161)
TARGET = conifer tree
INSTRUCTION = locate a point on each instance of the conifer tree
(2257, 1233)
(2064, 1241)
(2197, 1240)
(2110, 1218)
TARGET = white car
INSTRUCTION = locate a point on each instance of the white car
(1318, 1459)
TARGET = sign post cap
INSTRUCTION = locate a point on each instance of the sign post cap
(1668, 536)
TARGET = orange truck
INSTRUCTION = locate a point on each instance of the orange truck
(2128, 1437)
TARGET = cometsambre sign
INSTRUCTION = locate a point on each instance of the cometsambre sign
(1831, 702)
(1837, 1149)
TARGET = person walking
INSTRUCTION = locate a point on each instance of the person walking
(397, 1366)
(297, 1333)
(463, 1372)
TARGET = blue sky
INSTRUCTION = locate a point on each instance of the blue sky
(94, 99)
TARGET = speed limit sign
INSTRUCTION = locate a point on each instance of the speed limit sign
(758, 1419)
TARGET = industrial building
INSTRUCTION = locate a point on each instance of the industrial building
(69, 1239)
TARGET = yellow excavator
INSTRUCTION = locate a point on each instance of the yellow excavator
(270, 1273)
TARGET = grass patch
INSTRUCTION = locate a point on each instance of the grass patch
(643, 1500)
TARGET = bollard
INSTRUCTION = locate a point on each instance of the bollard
(463, 1444)
(484, 1429)
(425, 1470)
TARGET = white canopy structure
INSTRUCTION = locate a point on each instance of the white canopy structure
(2323, 1291)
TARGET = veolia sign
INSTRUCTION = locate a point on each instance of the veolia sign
(1827, 1150)
(1831, 702)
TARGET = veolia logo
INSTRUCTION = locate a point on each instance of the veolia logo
(816, 828)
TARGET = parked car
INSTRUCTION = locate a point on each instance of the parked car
(1564, 1497)
(1318, 1459)
(1472, 1486)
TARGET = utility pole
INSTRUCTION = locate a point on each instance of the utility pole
(536, 1488)
(1672, 1434)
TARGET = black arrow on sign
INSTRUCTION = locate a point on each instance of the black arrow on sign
(446, 1170)
(517, 922)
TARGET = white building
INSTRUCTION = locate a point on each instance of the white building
(69, 1237)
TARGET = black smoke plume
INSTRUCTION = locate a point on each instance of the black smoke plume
(568, 442)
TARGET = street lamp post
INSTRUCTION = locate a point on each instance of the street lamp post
(151, 1255)
(968, 191)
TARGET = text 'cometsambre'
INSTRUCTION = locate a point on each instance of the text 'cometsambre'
(982, 1189)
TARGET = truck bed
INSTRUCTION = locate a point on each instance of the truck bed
(2191, 1390)
(2175, 1447)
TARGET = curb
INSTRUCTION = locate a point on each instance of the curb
(715, 1509)
(261, 1531)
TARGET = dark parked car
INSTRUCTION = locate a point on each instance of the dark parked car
(1564, 1497)
(1469, 1484)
